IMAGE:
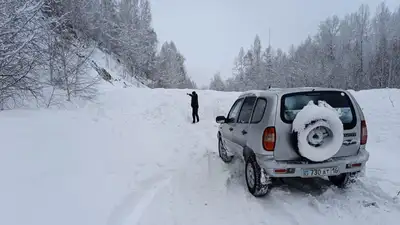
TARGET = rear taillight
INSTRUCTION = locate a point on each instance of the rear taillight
(364, 132)
(269, 138)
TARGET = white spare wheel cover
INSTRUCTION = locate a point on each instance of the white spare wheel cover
(319, 131)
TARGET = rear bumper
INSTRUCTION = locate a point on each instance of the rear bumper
(295, 169)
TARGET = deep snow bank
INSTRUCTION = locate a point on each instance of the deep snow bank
(135, 158)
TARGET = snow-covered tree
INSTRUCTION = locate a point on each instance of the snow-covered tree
(20, 32)
(394, 71)
(216, 83)
(171, 71)
(381, 60)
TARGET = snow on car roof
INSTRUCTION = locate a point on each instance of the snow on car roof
(259, 93)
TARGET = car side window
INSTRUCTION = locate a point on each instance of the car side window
(259, 110)
(233, 113)
(247, 109)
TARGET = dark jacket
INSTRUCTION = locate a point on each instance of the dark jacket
(195, 100)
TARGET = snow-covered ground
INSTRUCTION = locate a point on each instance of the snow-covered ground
(135, 158)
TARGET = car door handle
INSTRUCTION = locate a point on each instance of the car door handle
(231, 128)
(244, 132)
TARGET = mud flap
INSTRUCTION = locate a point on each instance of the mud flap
(265, 179)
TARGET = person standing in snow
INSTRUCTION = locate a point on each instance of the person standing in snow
(195, 106)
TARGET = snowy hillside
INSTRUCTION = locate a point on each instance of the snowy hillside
(117, 70)
(99, 65)
(141, 161)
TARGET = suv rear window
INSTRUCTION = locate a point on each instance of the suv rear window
(292, 103)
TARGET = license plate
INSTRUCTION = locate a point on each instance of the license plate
(320, 172)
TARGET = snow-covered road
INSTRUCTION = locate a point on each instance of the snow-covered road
(135, 158)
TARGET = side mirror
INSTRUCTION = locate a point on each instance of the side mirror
(220, 119)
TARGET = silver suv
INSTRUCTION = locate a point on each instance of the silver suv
(259, 129)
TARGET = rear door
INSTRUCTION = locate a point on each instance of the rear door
(228, 127)
(240, 132)
(292, 103)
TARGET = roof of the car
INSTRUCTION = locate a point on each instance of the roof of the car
(282, 91)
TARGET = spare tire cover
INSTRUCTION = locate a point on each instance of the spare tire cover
(319, 131)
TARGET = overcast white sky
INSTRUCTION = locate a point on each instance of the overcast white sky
(209, 33)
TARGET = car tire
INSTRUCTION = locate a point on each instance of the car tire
(223, 154)
(254, 178)
(343, 180)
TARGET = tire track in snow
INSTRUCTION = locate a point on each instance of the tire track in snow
(201, 186)
(145, 202)
(134, 205)
(375, 194)
(273, 205)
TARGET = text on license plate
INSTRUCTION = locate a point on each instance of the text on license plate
(321, 172)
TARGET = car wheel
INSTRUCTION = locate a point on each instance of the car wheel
(343, 180)
(223, 153)
(258, 183)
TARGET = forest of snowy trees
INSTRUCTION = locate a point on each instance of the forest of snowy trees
(171, 72)
(48, 43)
(359, 51)
(45, 47)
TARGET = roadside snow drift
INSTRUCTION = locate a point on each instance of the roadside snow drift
(135, 158)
